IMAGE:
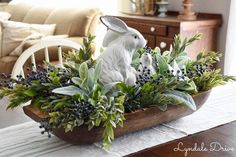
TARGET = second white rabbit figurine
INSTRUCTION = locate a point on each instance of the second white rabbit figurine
(121, 42)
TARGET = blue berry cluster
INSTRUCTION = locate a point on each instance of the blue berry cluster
(81, 109)
(132, 104)
(5, 81)
(179, 75)
(46, 126)
(144, 75)
(41, 75)
(198, 70)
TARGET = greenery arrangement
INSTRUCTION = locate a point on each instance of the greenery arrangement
(73, 96)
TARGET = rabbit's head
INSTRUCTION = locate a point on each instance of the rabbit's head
(119, 33)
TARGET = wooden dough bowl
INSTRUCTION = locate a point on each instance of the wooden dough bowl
(135, 121)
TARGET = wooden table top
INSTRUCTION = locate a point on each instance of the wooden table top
(216, 142)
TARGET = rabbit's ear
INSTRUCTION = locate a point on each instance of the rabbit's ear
(114, 24)
(109, 37)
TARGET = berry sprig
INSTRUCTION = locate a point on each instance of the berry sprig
(46, 126)
(81, 109)
(147, 49)
(144, 75)
(198, 70)
(158, 80)
(5, 81)
(145, 69)
(41, 75)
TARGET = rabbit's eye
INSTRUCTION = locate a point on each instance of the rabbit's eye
(135, 37)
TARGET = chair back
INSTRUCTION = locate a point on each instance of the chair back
(43, 44)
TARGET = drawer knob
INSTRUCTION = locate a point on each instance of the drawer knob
(152, 29)
(163, 45)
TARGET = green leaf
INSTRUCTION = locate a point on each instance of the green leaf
(79, 122)
(97, 122)
(135, 59)
(83, 84)
(157, 51)
(163, 66)
(113, 124)
(162, 107)
(96, 91)
(83, 71)
(107, 87)
(90, 80)
(182, 98)
(68, 127)
(1, 94)
(166, 55)
(30, 92)
(69, 90)
(189, 86)
(200, 56)
(127, 89)
(98, 70)
(181, 61)
(76, 80)
(53, 114)
(90, 127)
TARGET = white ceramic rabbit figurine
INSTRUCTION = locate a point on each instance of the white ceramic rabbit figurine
(121, 42)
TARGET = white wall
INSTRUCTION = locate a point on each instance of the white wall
(230, 56)
(210, 6)
(107, 6)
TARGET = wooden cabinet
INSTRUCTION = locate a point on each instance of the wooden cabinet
(161, 31)
(164, 42)
(148, 28)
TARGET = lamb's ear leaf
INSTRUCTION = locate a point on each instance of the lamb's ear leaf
(108, 87)
(114, 24)
(83, 71)
(69, 90)
(98, 71)
(163, 107)
(181, 98)
(163, 66)
(76, 80)
(90, 80)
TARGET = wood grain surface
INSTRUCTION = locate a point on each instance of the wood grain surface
(219, 142)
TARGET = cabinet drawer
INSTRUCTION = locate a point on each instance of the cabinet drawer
(164, 43)
(172, 31)
(150, 40)
(148, 28)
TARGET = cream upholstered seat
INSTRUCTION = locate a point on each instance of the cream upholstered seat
(77, 23)
(18, 68)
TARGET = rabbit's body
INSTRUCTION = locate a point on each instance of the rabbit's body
(116, 59)
(113, 69)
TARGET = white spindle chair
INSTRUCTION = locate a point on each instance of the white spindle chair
(43, 44)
